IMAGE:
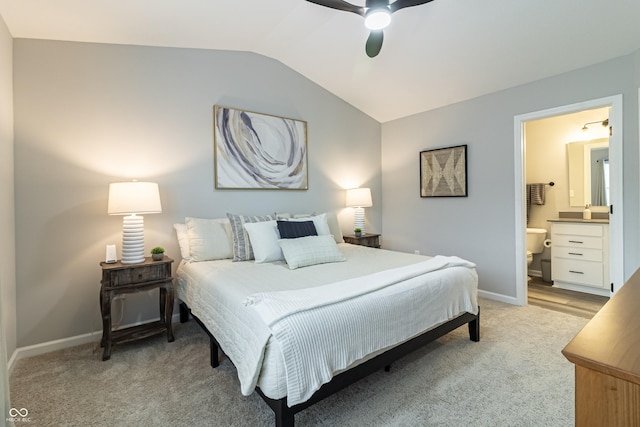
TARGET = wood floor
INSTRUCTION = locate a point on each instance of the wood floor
(542, 294)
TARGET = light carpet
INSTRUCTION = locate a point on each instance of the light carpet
(515, 376)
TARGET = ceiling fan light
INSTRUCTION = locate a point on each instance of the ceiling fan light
(377, 19)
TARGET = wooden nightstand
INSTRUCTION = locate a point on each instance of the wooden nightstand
(118, 278)
(369, 239)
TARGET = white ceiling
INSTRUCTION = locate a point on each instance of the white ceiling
(433, 55)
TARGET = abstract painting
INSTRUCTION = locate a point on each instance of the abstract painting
(443, 172)
(255, 151)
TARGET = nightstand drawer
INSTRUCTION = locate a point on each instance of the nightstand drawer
(147, 273)
(371, 240)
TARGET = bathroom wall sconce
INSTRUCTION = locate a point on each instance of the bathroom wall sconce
(604, 123)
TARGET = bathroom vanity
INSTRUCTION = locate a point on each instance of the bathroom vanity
(580, 255)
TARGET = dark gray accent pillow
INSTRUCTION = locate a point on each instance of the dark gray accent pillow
(295, 229)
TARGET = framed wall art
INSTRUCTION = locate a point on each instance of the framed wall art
(443, 172)
(255, 151)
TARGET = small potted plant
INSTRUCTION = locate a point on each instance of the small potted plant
(157, 253)
(358, 231)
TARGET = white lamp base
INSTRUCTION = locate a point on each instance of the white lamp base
(132, 239)
(358, 219)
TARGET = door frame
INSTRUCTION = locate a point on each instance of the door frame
(616, 223)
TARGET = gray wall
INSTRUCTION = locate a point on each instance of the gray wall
(481, 227)
(90, 114)
(7, 248)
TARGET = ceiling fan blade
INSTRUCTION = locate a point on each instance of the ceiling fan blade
(369, 4)
(340, 5)
(374, 43)
(401, 4)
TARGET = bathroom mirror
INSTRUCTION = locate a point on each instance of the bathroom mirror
(588, 172)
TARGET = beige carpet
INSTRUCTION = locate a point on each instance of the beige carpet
(515, 376)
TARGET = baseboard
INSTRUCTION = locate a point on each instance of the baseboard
(534, 273)
(47, 347)
(497, 297)
(12, 362)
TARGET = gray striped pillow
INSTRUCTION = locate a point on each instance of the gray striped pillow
(242, 250)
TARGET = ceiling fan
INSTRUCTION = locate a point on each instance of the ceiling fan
(377, 15)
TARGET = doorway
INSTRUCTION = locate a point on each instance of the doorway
(563, 300)
(614, 104)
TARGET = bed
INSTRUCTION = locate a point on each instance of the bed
(298, 331)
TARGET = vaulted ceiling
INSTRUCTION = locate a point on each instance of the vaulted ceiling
(435, 54)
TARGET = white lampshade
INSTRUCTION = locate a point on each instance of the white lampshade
(131, 199)
(359, 198)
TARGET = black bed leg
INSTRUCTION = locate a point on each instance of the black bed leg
(285, 422)
(474, 328)
(184, 313)
(284, 415)
(213, 346)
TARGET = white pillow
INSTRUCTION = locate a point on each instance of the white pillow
(310, 250)
(319, 221)
(242, 249)
(334, 227)
(209, 239)
(264, 238)
(183, 240)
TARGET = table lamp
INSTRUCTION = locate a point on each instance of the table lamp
(359, 198)
(133, 199)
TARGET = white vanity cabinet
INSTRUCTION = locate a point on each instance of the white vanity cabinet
(580, 256)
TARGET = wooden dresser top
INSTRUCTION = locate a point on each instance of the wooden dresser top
(610, 342)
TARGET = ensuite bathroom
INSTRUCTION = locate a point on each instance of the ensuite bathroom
(567, 203)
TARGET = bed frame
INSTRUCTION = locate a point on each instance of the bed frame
(285, 415)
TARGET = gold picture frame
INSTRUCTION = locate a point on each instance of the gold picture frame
(256, 151)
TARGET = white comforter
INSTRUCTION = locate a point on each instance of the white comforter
(215, 292)
(315, 326)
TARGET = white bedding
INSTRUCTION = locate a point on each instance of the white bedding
(215, 292)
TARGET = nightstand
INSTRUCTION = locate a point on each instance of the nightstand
(118, 278)
(369, 239)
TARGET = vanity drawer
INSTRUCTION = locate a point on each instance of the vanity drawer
(595, 230)
(573, 241)
(580, 272)
(579, 254)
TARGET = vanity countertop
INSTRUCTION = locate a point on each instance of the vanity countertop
(580, 220)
